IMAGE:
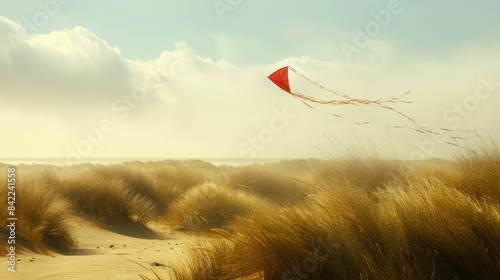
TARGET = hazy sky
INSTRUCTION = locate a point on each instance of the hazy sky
(188, 79)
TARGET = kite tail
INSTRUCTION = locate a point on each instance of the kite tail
(396, 99)
(351, 102)
(280, 78)
(424, 130)
(343, 95)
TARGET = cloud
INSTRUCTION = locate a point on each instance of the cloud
(71, 67)
(58, 87)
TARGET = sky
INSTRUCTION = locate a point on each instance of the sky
(188, 79)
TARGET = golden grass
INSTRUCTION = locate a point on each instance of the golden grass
(381, 220)
(341, 219)
(208, 206)
(270, 183)
(143, 192)
(211, 259)
(446, 229)
(42, 216)
(48, 197)
(98, 198)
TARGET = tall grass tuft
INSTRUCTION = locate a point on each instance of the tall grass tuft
(208, 206)
(42, 215)
(98, 198)
(478, 177)
(210, 259)
(445, 232)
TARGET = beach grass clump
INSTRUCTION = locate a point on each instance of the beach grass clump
(209, 206)
(43, 216)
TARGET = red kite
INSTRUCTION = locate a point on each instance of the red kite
(281, 79)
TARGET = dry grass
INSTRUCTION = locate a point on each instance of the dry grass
(48, 197)
(142, 192)
(98, 198)
(478, 177)
(343, 219)
(211, 259)
(446, 230)
(371, 220)
(209, 206)
(270, 183)
(366, 173)
(42, 216)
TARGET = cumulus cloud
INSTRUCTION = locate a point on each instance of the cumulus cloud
(71, 67)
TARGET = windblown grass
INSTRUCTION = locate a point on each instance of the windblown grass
(383, 220)
(367, 173)
(446, 230)
(341, 219)
(143, 192)
(270, 183)
(98, 198)
(212, 259)
(42, 216)
(479, 177)
(50, 197)
(208, 206)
